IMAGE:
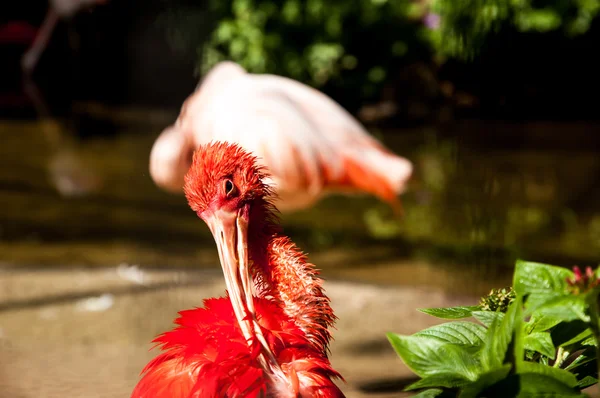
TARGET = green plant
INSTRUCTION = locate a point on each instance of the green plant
(465, 26)
(318, 42)
(541, 340)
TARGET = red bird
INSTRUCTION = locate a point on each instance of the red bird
(310, 144)
(269, 336)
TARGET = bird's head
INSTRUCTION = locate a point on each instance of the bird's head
(222, 185)
(223, 178)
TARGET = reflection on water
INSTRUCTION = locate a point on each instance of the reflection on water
(474, 205)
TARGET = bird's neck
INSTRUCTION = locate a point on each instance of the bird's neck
(281, 271)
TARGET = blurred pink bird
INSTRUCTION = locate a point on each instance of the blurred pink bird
(56, 9)
(309, 143)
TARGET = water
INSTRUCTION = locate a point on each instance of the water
(483, 194)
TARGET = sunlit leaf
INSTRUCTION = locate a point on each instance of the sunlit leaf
(561, 375)
(487, 317)
(540, 342)
(587, 381)
(515, 311)
(590, 341)
(541, 323)
(448, 380)
(499, 336)
(451, 312)
(431, 393)
(566, 331)
(567, 308)
(427, 357)
(581, 337)
(540, 282)
(462, 333)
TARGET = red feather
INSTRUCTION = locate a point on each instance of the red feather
(206, 356)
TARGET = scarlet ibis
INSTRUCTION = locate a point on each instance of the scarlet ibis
(269, 335)
(310, 144)
(56, 9)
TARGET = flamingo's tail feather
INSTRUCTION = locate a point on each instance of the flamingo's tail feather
(379, 173)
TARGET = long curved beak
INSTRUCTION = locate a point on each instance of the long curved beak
(230, 230)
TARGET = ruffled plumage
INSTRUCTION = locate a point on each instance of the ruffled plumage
(206, 356)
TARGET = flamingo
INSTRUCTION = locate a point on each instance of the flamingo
(269, 335)
(57, 9)
(310, 144)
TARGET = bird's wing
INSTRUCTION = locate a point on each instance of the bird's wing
(338, 126)
(366, 164)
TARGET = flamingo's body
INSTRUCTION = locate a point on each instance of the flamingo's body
(269, 337)
(309, 143)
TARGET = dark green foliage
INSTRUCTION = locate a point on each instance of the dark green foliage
(538, 340)
(466, 25)
(318, 42)
(354, 49)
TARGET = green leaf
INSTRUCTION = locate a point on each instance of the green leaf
(561, 375)
(528, 385)
(431, 393)
(540, 282)
(518, 326)
(461, 333)
(582, 337)
(540, 342)
(566, 331)
(448, 380)
(495, 346)
(584, 358)
(499, 336)
(541, 323)
(586, 382)
(487, 317)
(590, 341)
(427, 357)
(484, 381)
(540, 279)
(450, 313)
(567, 308)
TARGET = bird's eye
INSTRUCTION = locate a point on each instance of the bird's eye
(229, 188)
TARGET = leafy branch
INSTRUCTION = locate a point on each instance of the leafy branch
(539, 339)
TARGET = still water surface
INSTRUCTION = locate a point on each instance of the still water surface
(78, 194)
